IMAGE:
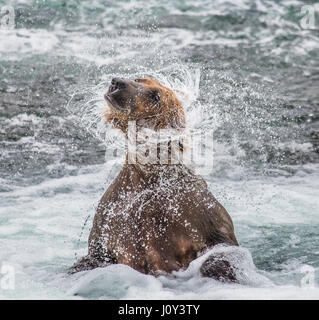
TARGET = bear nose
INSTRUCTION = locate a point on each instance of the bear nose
(118, 83)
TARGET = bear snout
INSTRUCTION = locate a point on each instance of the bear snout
(117, 83)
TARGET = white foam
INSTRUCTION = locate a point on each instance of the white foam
(122, 282)
(15, 43)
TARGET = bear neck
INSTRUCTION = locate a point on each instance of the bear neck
(168, 170)
(156, 173)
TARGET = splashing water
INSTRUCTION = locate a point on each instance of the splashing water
(88, 103)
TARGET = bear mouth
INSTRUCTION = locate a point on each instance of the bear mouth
(112, 102)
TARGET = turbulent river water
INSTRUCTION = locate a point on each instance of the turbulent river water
(251, 74)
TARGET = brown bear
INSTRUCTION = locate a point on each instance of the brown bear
(155, 217)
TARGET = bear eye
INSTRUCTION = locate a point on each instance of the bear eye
(137, 80)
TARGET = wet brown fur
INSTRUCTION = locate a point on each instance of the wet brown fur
(155, 218)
